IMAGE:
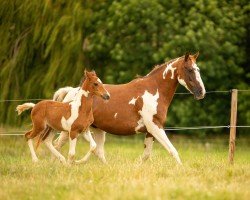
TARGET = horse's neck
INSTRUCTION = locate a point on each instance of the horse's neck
(167, 82)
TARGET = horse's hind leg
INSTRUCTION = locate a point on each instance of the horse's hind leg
(48, 143)
(99, 138)
(92, 144)
(61, 140)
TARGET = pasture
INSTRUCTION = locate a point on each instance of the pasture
(204, 175)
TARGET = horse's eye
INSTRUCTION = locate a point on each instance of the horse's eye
(95, 84)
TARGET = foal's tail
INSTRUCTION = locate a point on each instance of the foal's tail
(23, 107)
(61, 93)
(43, 136)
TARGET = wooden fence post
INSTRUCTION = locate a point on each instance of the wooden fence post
(233, 122)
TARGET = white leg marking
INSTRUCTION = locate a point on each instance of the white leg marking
(48, 143)
(149, 109)
(72, 147)
(99, 137)
(32, 151)
(148, 142)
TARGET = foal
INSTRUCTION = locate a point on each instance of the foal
(74, 117)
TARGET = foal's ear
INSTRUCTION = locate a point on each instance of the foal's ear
(86, 73)
(196, 55)
(186, 56)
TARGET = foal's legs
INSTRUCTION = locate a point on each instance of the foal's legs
(48, 143)
(148, 146)
(31, 147)
(37, 129)
(72, 146)
(158, 132)
(92, 145)
(99, 137)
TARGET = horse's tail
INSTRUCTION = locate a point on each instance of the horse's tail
(61, 93)
(43, 136)
(23, 107)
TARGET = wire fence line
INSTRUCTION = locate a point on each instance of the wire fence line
(178, 93)
(20, 133)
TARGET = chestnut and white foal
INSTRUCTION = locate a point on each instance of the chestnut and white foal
(73, 117)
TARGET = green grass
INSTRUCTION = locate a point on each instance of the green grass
(205, 174)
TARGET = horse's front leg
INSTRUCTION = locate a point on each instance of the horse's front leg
(92, 147)
(72, 146)
(158, 132)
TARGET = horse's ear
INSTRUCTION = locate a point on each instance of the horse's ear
(93, 71)
(196, 55)
(186, 56)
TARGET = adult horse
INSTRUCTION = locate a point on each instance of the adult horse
(141, 105)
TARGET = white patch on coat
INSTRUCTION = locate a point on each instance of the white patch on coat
(140, 125)
(198, 77)
(170, 68)
(149, 109)
(133, 100)
(75, 105)
(115, 115)
(182, 82)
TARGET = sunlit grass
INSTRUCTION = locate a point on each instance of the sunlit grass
(205, 174)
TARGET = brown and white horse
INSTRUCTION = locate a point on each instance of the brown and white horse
(74, 117)
(141, 105)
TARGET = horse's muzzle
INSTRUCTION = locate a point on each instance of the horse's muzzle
(106, 96)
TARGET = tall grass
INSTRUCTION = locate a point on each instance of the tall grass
(205, 174)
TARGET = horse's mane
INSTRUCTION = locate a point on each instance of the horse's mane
(157, 67)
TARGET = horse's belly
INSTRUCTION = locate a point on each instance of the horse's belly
(118, 123)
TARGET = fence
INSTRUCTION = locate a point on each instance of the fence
(233, 120)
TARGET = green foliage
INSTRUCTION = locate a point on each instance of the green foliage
(47, 45)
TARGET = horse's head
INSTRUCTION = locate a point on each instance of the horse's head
(189, 76)
(95, 85)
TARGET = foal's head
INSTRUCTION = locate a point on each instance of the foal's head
(189, 76)
(95, 85)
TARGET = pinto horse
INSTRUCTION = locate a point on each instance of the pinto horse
(74, 117)
(141, 105)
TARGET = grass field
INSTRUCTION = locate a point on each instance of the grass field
(204, 175)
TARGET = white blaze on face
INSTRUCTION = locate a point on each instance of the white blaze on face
(149, 109)
(198, 77)
(75, 105)
(170, 68)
